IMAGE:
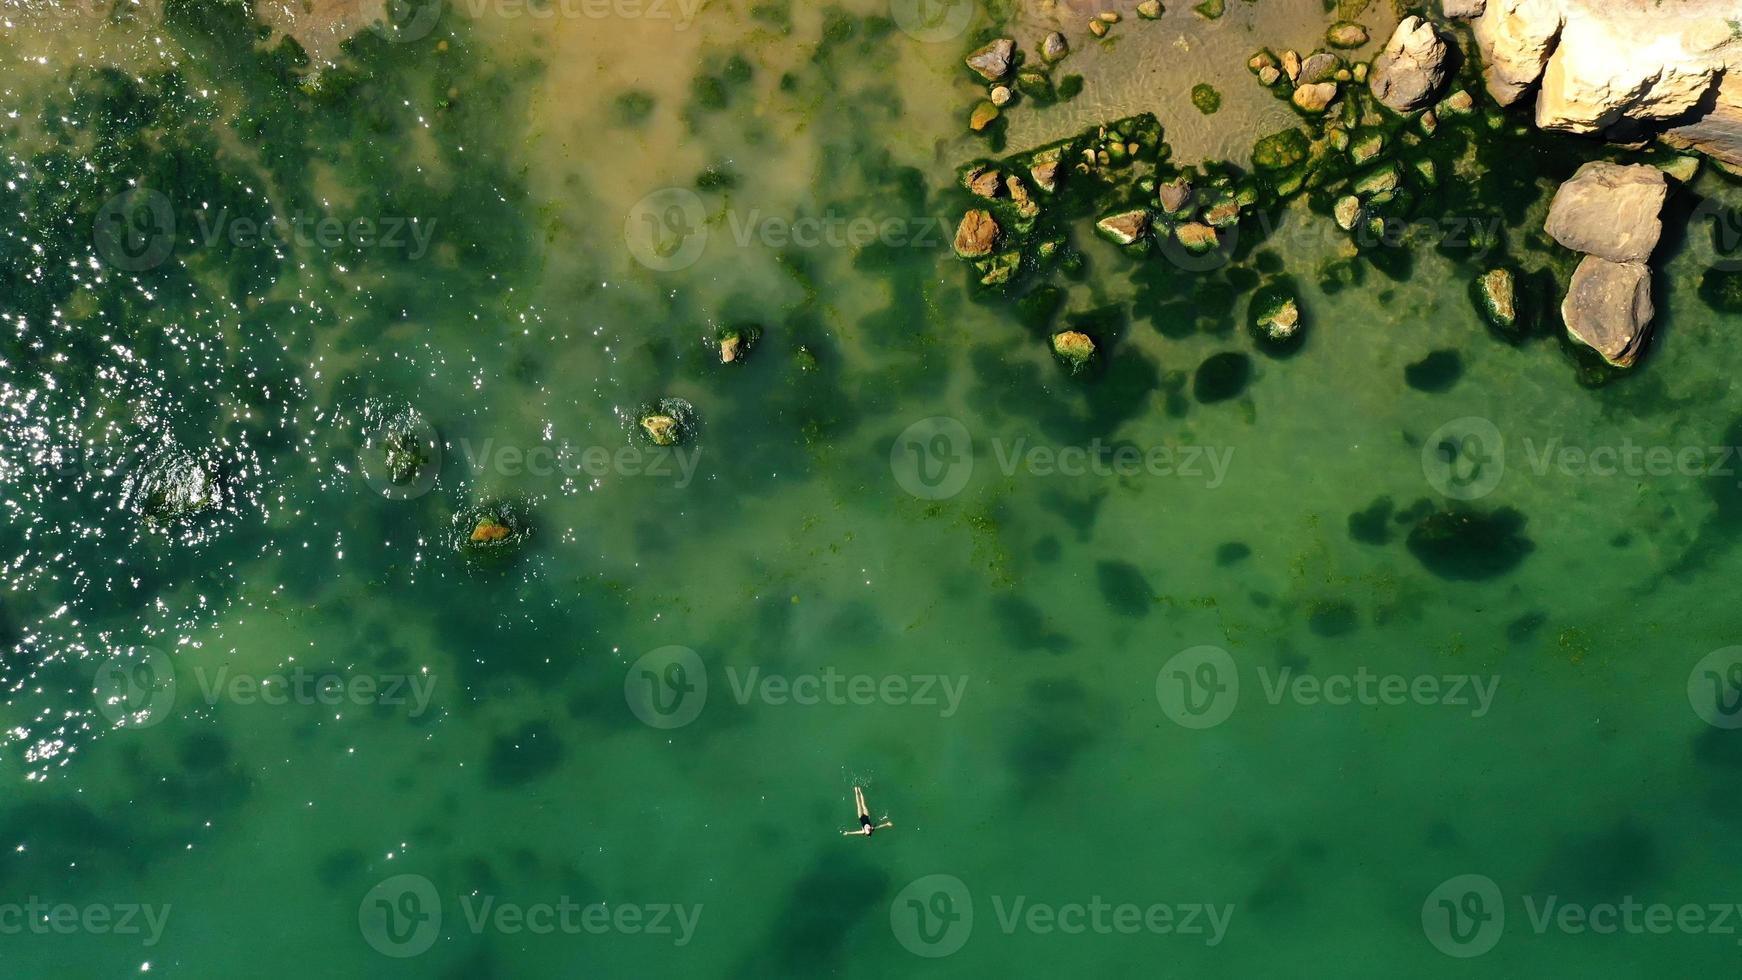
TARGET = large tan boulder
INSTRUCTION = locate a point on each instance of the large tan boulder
(1610, 210)
(1608, 308)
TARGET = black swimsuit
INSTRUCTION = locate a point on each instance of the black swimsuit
(865, 822)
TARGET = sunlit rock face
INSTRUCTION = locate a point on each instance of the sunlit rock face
(1621, 68)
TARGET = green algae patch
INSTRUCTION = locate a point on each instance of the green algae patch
(1466, 544)
(1721, 289)
(1206, 98)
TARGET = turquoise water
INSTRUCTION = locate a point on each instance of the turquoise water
(289, 728)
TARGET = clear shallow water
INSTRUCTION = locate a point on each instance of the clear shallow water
(1015, 631)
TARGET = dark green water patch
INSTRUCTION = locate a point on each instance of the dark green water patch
(1373, 525)
(1523, 629)
(1232, 553)
(1721, 289)
(1332, 618)
(1124, 588)
(1025, 626)
(1467, 544)
(1222, 377)
(528, 754)
(829, 904)
(1435, 373)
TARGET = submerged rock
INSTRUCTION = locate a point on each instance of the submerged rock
(1125, 227)
(1608, 308)
(1074, 348)
(1347, 211)
(735, 342)
(1000, 95)
(1320, 66)
(993, 60)
(1196, 238)
(489, 532)
(984, 114)
(1412, 67)
(170, 486)
(1346, 34)
(668, 422)
(983, 181)
(1054, 47)
(1463, 9)
(660, 428)
(976, 235)
(1276, 318)
(1497, 298)
(1149, 9)
(1610, 210)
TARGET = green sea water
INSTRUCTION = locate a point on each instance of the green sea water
(1202, 663)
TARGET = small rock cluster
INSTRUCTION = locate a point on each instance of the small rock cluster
(1009, 76)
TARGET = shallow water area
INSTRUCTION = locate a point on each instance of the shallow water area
(351, 604)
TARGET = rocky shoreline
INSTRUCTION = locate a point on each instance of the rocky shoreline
(1370, 151)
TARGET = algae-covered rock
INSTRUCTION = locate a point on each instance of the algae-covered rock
(982, 180)
(1036, 85)
(1496, 296)
(1124, 227)
(1280, 151)
(984, 114)
(1275, 318)
(1054, 47)
(1074, 348)
(1196, 238)
(1211, 9)
(735, 342)
(1206, 98)
(667, 422)
(1174, 195)
(1320, 66)
(1366, 149)
(1026, 208)
(977, 234)
(1150, 9)
(489, 532)
(1378, 183)
(169, 486)
(1346, 34)
(993, 61)
(999, 270)
(1347, 212)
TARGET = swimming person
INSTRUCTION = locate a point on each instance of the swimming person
(866, 826)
